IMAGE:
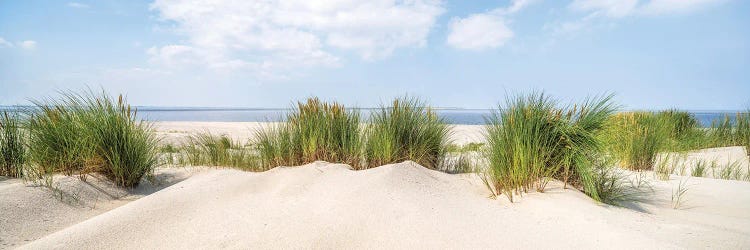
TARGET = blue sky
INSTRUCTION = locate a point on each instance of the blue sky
(653, 54)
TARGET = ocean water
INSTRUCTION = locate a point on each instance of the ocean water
(453, 116)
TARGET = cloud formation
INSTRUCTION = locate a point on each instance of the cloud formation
(28, 44)
(603, 12)
(623, 8)
(264, 35)
(78, 5)
(4, 43)
(478, 32)
(484, 30)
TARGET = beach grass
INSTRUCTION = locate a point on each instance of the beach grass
(207, 149)
(532, 139)
(680, 124)
(731, 171)
(678, 193)
(407, 129)
(12, 145)
(469, 147)
(683, 131)
(81, 133)
(213, 150)
(314, 131)
(636, 138)
(699, 169)
(617, 187)
(730, 131)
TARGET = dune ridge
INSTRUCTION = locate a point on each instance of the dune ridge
(324, 205)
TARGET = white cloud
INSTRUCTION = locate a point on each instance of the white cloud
(610, 8)
(174, 56)
(4, 43)
(658, 7)
(78, 5)
(603, 13)
(28, 44)
(478, 31)
(622, 8)
(575, 26)
(515, 6)
(484, 30)
(287, 33)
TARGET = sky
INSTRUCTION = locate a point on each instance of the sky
(652, 54)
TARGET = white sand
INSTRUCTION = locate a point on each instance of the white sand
(733, 161)
(323, 205)
(29, 211)
(178, 132)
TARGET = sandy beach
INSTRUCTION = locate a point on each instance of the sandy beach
(326, 205)
(29, 211)
(323, 205)
(178, 132)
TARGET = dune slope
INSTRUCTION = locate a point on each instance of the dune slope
(322, 205)
(29, 211)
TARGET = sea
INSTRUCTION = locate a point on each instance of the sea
(450, 115)
(210, 114)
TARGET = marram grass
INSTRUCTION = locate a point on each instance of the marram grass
(636, 138)
(731, 132)
(12, 145)
(617, 187)
(531, 139)
(313, 131)
(406, 130)
(90, 132)
(206, 149)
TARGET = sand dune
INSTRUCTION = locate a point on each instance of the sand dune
(727, 162)
(322, 205)
(29, 211)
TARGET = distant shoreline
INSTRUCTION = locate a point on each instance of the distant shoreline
(455, 116)
(198, 108)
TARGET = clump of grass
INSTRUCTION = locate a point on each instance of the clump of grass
(313, 131)
(615, 187)
(461, 162)
(90, 132)
(12, 145)
(406, 130)
(680, 124)
(731, 132)
(168, 148)
(57, 141)
(168, 153)
(635, 138)
(531, 140)
(469, 147)
(213, 149)
(678, 193)
(666, 164)
(731, 171)
(683, 130)
(699, 169)
(219, 150)
(462, 158)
